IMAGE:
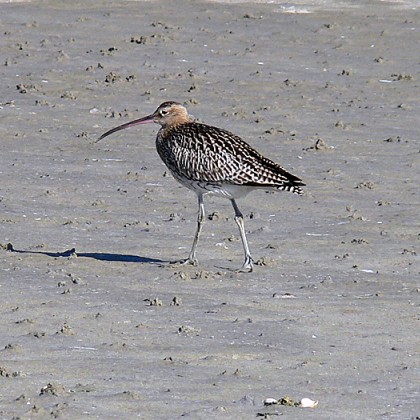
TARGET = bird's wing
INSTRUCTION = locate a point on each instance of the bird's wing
(210, 154)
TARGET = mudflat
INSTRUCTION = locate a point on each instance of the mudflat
(95, 322)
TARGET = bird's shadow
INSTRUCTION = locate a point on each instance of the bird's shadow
(100, 256)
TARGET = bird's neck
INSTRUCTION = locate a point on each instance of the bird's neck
(166, 130)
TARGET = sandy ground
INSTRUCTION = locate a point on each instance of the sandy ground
(331, 311)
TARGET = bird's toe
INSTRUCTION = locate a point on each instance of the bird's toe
(185, 261)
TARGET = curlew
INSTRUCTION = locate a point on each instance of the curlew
(210, 160)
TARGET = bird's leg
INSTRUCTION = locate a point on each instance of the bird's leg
(200, 220)
(239, 219)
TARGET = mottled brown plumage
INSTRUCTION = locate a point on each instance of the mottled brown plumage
(210, 160)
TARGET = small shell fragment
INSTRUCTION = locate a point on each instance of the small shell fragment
(308, 403)
(270, 401)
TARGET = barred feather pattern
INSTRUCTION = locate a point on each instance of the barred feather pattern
(213, 160)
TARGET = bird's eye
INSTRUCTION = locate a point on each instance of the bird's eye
(163, 112)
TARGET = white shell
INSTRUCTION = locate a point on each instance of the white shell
(270, 401)
(308, 403)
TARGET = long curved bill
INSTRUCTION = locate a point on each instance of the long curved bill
(144, 120)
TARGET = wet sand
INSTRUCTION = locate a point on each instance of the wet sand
(96, 324)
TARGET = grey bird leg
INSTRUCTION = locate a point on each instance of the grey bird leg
(239, 219)
(200, 220)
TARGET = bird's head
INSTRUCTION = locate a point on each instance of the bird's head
(167, 114)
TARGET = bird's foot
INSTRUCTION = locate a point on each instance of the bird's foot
(186, 261)
(247, 266)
